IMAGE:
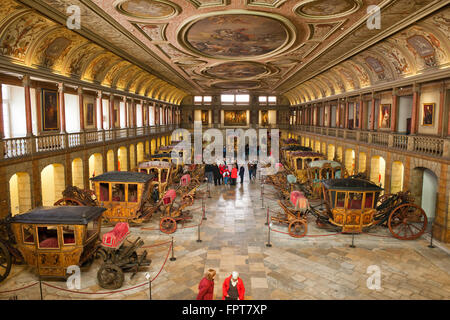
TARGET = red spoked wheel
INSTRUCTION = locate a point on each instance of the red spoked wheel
(407, 222)
(68, 202)
(297, 228)
(168, 225)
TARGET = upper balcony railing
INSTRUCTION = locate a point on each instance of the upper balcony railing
(26, 146)
(427, 145)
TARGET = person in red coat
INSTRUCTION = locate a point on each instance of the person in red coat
(206, 286)
(234, 174)
(233, 287)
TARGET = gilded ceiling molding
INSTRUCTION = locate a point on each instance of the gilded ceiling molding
(266, 3)
(141, 85)
(154, 87)
(209, 3)
(112, 72)
(124, 76)
(149, 86)
(133, 84)
(326, 9)
(147, 9)
(97, 68)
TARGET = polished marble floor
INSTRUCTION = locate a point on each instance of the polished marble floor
(234, 237)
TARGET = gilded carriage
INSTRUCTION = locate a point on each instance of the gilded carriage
(354, 205)
(294, 214)
(320, 170)
(51, 239)
(127, 196)
(287, 150)
(161, 172)
(299, 161)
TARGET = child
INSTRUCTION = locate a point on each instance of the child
(226, 175)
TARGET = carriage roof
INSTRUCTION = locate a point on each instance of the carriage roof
(306, 154)
(123, 176)
(71, 215)
(350, 184)
(320, 163)
(154, 164)
(296, 148)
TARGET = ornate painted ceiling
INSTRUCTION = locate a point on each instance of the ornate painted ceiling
(304, 49)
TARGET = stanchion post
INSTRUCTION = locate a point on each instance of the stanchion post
(198, 233)
(40, 288)
(172, 258)
(353, 241)
(431, 246)
(150, 288)
(268, 244)
(267, 217)
(204, 210)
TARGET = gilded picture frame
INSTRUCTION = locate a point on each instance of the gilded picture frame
(50, 112)
(428, 114)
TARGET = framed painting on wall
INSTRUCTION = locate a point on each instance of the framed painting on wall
(89, 114)
(385, 116)
(235, 118)
(428, 114)
(264, 117)
(49, 105)
(205, 117)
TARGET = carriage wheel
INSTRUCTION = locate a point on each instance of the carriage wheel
(168, 225)
(298, 228)
(68, 202)
(407, 222)
(110, 276)
(5, 262)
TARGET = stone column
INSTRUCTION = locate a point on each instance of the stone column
(440, 117)
(415, 109)
(27, 85)
(99, 109)
(112, 120)
(62, 108)
(394, 111)
(81, 107)
(372, 108)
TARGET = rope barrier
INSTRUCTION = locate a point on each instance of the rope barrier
(116, 291)
(19, 289)
(181, 219)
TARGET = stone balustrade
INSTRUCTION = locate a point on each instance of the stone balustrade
(26, 146)
(428, 145)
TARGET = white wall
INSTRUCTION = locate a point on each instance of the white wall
(404, 112)
(333, 116)
(429, 193)
(429, 94)
(72, 112)
(139, 115)
(122, 114)
(14, 117)
(105, 104)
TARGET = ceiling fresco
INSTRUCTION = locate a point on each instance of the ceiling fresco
(236, 36)
(303, 49)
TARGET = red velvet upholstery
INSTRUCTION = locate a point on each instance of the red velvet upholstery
(115, 237)
(169, 196)
(49, 243)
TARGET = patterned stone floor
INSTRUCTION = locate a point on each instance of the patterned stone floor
(234, 237)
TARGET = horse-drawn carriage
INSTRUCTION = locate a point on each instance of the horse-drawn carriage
(299, 160)
(161, 174)
(354, 205)
(50, 239)
(321, 170)
(127, 196)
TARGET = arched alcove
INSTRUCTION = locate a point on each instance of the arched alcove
(20, 193)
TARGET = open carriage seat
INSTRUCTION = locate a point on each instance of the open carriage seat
(185, 180)
(115, 237)
(169, 196)
(298, 200)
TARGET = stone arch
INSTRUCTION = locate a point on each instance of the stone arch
(397, 176)
(378, 170)
(110, 161)
(331, 151)
(424, 186)
(153, 146)
(77, 173)
(140, 152)
(362, 162)
(122, 159)
(20, 193)
(339, 154)
(52, 183)
(132, 157)
(350, 161)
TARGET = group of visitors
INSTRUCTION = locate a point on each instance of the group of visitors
(228, 174)
(232, 288)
